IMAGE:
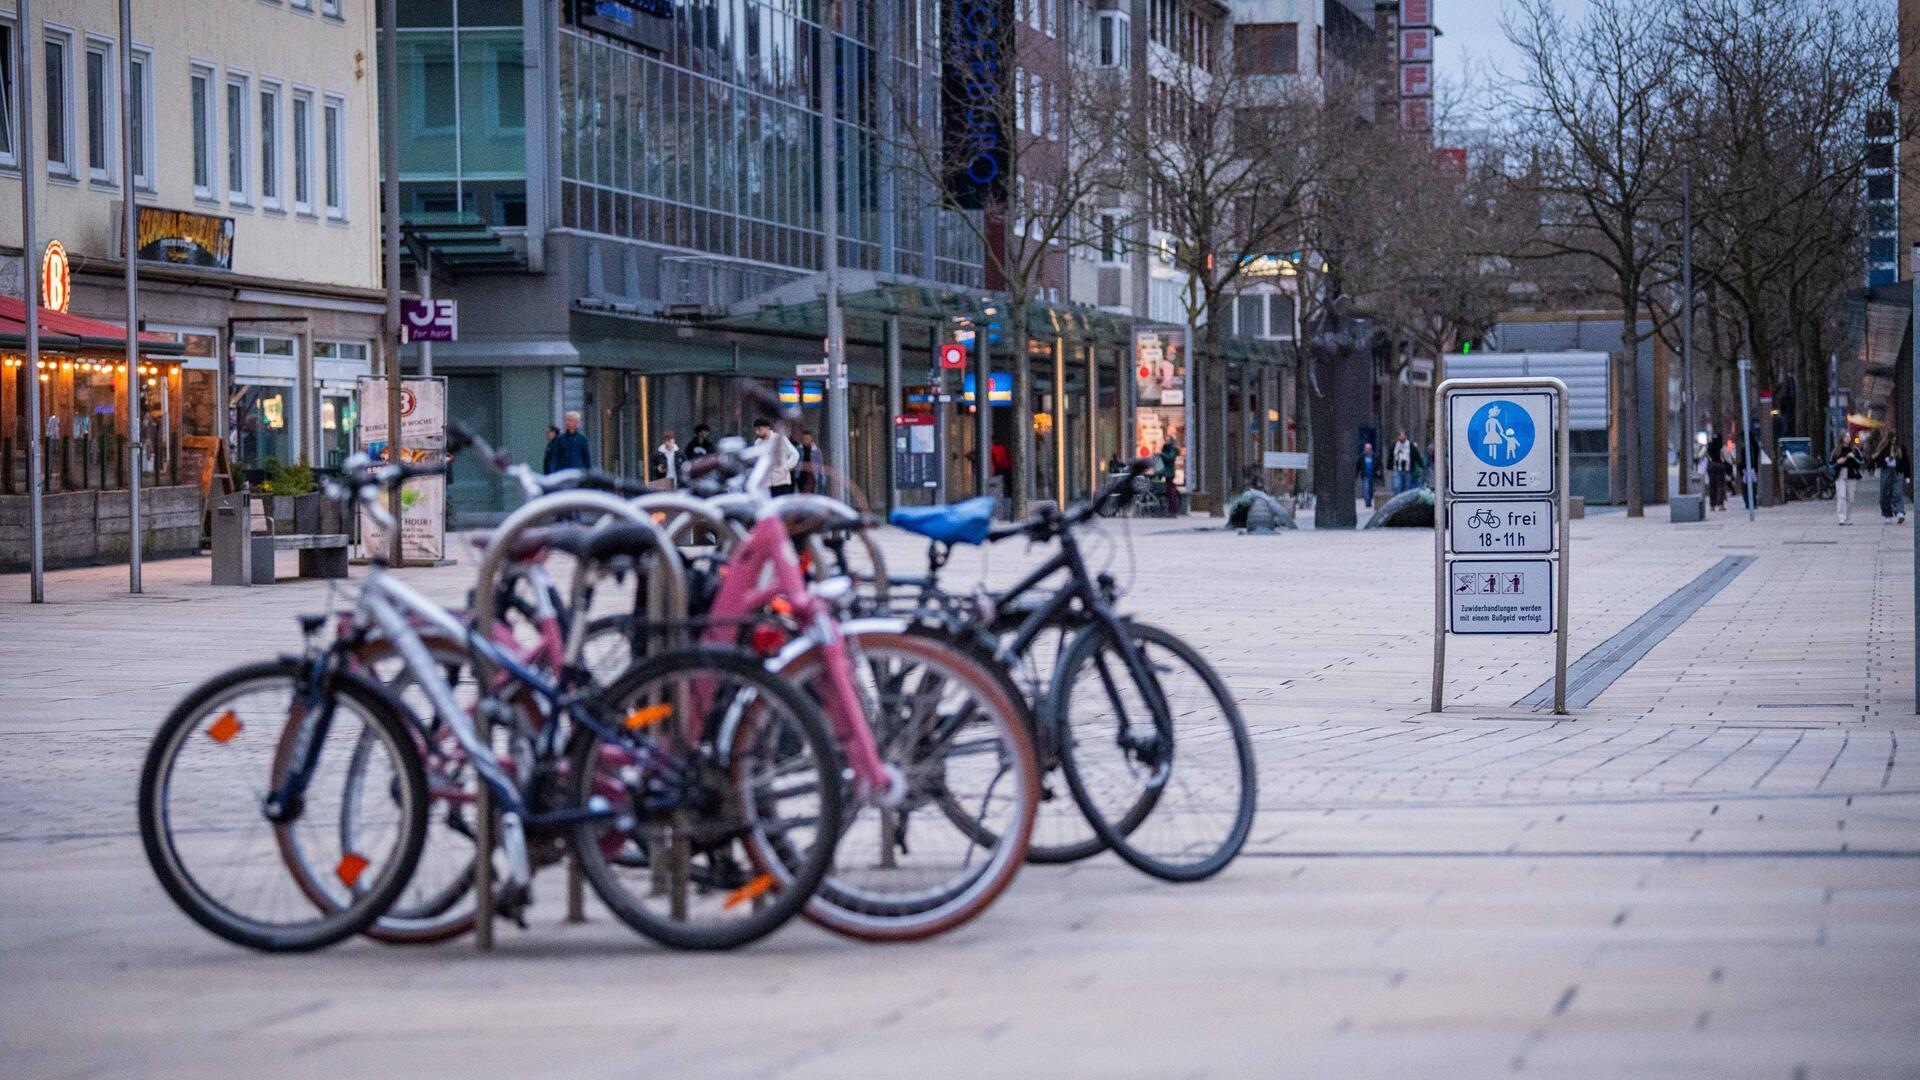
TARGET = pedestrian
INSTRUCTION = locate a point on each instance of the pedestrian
(1719, 472)
(1368, 469)
(702, 443)
(1001, 460)
(1846, 473)
(546, 459)
(1405, 458)
(668, 467)
(783, 457)
(1895, 468)
(1169, 463)
(813, 463)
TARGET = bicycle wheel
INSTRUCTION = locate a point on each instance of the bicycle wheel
(437, 902)
(204, 822)
(1193, 768)
(717, 842)
(947, 725)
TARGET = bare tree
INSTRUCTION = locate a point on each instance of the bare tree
(1595, 106)
(1014, 155)
(1226, 160)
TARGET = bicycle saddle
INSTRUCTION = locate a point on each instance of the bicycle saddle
(959, 523)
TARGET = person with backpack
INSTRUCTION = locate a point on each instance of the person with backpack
(1847, 463)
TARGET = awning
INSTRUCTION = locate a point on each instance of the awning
(457, 242)
(62, 332)
(1868, 422)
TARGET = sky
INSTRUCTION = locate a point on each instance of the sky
(1471, 42)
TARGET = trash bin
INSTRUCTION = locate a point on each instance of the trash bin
(232, 547)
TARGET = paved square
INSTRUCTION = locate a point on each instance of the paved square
(1711, 871)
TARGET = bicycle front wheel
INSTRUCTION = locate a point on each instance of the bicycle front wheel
(1169, 739)
(244, 874)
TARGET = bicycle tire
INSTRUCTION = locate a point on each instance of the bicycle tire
(158, 838)
(1131, 845)
(861, 913)
(796, 883)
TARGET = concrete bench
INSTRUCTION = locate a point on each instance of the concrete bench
(245, 541)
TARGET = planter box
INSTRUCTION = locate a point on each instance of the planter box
(83, 527)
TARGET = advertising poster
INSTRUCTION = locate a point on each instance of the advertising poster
(423, 440)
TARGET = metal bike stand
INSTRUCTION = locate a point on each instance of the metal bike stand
(535, 513)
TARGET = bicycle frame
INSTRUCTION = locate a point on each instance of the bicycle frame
(768, 546)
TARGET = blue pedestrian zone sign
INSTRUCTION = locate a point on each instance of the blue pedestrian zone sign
(1502, 433)
(1502, 442)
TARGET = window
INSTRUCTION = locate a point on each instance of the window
(237, 127)
(100, 104)
(59, 104)
(303, 5)
(1113, 244)
(141, 61)
(334, 145)
(1052, 17)
(270, 145)
(9, 154)
(330, 8)
(1036, 103)
(1266, 48)
(203, 134)
(1116, 40)
(302, 152)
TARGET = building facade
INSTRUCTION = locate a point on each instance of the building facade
(256, 188)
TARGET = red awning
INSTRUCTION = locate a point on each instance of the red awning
(60, 332)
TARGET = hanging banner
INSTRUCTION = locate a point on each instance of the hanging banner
(423, 440)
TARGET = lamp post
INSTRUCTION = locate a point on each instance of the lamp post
(129, 222)
(837, 437)
(29, 284)
(1748, 476)
(1686, 325)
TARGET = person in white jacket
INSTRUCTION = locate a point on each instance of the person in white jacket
(785, 457)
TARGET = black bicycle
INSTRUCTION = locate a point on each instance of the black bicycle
(1143, 731)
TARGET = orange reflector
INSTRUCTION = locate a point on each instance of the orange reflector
(748, 891)
(651, 714)
(224, 728)
(659, 517)
(781, 606)
(350, 868)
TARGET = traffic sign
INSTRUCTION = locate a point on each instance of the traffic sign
(953, 355)
(815, 370)
(1502, 442)
(1504, 596)
(1500, 526)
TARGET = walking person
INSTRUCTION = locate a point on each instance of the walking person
(1719, 472)
(1368, 469)
(668, 468)
(569, 449)
(1847, 461)
(1895, 468)
(1405, 459)
(783, 456)
(546, 459)
(1169, 462)
(702, 443)
(812, 465)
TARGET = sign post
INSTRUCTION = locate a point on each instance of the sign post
(1500, 532)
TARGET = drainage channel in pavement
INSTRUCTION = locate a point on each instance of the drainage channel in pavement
(1589, 676)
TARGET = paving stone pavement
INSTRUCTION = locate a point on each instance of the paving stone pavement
(1713, 870)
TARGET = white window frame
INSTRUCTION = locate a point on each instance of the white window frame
(53, 35)
(144, 175)
(1121, 38)
(305, 7)
(269, 148)
(9, 114)
(107, 174)
(1111, 222)
(331, 9)
(333, 162)
(301, 173)
(205, 146)
(1051, 17)
(239, 159)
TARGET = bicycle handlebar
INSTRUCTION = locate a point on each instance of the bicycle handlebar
(1049, 521)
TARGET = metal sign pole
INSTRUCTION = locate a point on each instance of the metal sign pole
(1746, 440)
(29, 292)
(1442, 486)
(129, 220)
(390, 213)
(1564, 585)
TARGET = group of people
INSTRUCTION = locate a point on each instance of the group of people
(1404, 464)
(1850, 462)
(794, 468)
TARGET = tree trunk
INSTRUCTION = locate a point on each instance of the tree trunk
(1630, 404)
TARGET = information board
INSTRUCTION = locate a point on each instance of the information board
(1500, 526)
(916, 452)
(1500, 596)
(1502, 443)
